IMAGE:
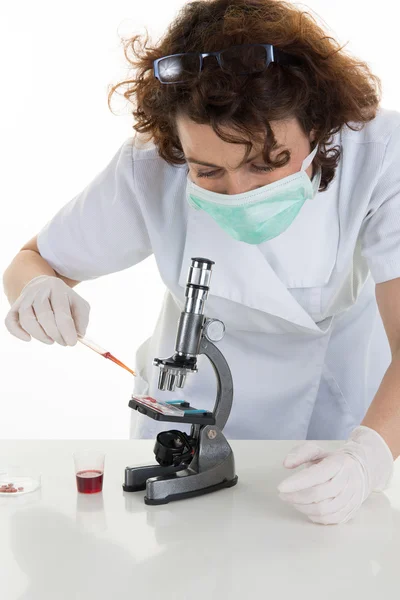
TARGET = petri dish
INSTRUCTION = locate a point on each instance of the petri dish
(19, 477)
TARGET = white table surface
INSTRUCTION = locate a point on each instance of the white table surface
(242, 542)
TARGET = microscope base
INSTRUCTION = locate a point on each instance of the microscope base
(136, 477)
(200, 492)
(212, 468)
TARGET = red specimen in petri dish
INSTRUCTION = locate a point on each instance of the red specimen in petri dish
(89, 481)
(9, 488)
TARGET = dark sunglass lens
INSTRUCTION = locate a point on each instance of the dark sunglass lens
(178, 68)
(244, 59)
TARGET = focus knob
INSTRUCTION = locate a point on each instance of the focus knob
(214, 330)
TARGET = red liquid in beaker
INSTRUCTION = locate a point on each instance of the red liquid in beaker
(89, 482)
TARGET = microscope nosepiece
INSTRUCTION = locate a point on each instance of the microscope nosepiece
(169, 379)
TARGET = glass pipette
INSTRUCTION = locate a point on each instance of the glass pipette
(102, 352)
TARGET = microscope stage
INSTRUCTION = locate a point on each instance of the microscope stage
(177, 411)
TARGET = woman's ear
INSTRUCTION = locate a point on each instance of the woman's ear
(312, 135)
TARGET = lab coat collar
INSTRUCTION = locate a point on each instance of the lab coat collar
(241, 272)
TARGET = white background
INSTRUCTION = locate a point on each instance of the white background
(56, 133)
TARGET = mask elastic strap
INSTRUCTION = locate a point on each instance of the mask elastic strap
(308, 160)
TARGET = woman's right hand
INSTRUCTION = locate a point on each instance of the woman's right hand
(50, 311)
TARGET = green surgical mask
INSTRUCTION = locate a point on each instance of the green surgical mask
(262, 214)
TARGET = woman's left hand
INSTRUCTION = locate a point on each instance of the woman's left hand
(333, 485)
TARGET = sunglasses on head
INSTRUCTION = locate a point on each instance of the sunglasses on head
(241, 60)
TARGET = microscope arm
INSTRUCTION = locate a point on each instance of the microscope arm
(224, 399)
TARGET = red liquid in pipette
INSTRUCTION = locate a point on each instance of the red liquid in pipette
(89, 481)
(117, 362)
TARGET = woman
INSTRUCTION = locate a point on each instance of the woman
(261, 146)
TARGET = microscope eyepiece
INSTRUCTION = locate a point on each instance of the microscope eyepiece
(200, 272)
(198, 284)
(205, 261)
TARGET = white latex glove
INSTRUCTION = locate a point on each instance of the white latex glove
(333, 485)
(50, 311)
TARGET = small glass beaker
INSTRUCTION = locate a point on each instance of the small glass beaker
(89, 471)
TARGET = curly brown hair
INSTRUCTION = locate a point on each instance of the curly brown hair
(329, 90)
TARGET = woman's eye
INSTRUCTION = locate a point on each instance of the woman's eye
(212, 173)
(209, 174)
(264, 169)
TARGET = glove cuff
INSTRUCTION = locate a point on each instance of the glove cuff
(376, 455)
(34, 279)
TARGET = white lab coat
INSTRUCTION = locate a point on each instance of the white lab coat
(304, 339)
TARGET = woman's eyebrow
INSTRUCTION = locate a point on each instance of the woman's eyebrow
(207, 164)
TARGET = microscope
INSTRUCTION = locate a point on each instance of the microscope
(202, 461)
